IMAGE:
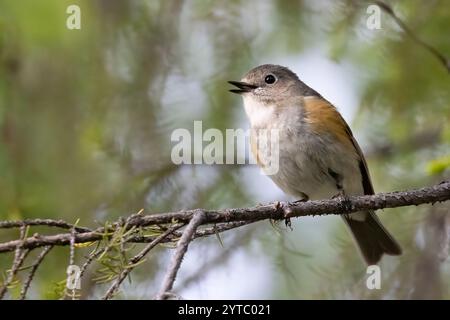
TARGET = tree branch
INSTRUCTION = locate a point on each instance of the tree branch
(177, 258)
(242, 216)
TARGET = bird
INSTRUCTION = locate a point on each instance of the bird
(318, 156)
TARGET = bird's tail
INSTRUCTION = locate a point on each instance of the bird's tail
(372, 238)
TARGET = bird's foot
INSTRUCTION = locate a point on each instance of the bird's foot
(299, 201)
(287, 223)
(344, 200)
(286, 210)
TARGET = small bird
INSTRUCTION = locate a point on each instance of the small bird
(319, 157)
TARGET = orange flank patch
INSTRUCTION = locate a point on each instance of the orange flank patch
(324, 118)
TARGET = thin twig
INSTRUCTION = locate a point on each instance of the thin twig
(89, 260)
(177, 257)
(136, 259)
(33, 270)
(41, 222)
(19, 258)
(438, 55)
(12, 273)
(221, 227)
(70, 270)
(216, 229)
(72, 257)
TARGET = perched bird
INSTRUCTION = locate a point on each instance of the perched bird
(318, 156)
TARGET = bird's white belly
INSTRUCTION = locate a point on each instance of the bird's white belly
(304, 163)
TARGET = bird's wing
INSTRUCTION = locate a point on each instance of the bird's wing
(366, 181)
(324, 117)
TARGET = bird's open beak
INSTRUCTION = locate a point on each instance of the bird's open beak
(243, 87)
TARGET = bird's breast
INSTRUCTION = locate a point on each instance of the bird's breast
(304, 155)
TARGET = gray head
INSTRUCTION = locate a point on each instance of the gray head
(270, 83)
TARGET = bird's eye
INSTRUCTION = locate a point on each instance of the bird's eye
(269, 79)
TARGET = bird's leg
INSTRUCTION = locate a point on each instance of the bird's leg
(341, 195)
(299, 201)
(304, 198)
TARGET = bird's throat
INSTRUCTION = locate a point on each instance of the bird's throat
(260, 115)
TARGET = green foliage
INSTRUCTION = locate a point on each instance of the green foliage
(438, 166)
(58, 291)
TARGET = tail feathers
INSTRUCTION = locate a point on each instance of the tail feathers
(372, 238)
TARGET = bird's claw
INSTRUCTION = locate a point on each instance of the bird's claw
(286, 210)
(344, 200)
(287, 223)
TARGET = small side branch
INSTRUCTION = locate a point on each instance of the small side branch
(33, 270)
(178, 256)
(438, 55)
(136, 260)
(19, 257)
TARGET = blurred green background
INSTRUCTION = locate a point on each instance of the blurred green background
(86, 117)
